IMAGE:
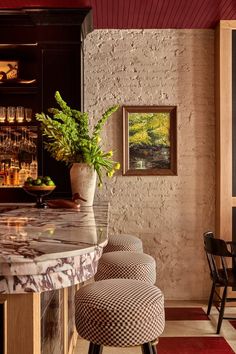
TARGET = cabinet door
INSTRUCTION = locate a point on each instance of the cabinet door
(61, 68)
(19, 143)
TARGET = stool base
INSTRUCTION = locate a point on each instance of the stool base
(95, 348)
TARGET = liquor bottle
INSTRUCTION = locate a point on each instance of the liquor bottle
(16, 168)
(27, 171)
(11, 174)
(34, 169)
(22, 174)
(7, 174)
(15, 177)
(2, 174)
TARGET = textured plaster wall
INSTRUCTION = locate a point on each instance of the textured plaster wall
(169, 213)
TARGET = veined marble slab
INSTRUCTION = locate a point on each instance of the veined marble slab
(45, 249)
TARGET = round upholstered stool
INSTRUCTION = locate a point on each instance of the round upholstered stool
(121, 264)
(119, 313)
(123, 242)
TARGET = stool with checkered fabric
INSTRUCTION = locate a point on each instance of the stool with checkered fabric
(121, 264)
(120, 313)
(123, 242)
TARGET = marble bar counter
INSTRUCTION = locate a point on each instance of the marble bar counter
(44, 255)
(47, 249)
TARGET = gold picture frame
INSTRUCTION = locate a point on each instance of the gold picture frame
(149, 140)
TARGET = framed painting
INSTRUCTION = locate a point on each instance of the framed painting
(149, 140)
(8, 70)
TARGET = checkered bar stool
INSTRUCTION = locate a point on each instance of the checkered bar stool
(123, 264)
(123, 242)
(120, 313)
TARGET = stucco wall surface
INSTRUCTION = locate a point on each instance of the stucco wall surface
(169, 213)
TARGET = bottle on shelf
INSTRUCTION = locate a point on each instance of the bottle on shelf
(22, 174)
(27, 170)
(15, 172)
(34, 169)
(2, 174)
(11, 173)
(7, 174)
(15, 177)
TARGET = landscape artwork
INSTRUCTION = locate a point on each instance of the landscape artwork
(149, 140)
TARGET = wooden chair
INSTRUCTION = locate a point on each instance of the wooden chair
(217, 252)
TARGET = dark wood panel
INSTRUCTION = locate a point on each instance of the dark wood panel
(47, 45)
(61, 72)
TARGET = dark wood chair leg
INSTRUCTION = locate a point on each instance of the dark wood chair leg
(147, 348)
(95, 348)
(210, 302)
(222, 309)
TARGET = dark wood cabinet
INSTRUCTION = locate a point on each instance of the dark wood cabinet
(48, 46)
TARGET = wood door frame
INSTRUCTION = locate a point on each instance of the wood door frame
(223, 100)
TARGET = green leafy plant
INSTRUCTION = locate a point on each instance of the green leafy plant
(68, 138)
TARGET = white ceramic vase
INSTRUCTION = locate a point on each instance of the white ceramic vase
(83, 181)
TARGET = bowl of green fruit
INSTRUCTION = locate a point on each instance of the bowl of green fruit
(39, 188)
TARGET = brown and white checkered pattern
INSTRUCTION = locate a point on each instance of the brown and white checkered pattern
(123, 242)
(128, 265)
(119, 312)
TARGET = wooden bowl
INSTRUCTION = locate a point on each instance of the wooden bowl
(39, 192)
(38, 188)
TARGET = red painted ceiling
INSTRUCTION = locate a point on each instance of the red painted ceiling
(143, 13)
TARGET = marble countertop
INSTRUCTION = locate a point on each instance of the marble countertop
(45, 249)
